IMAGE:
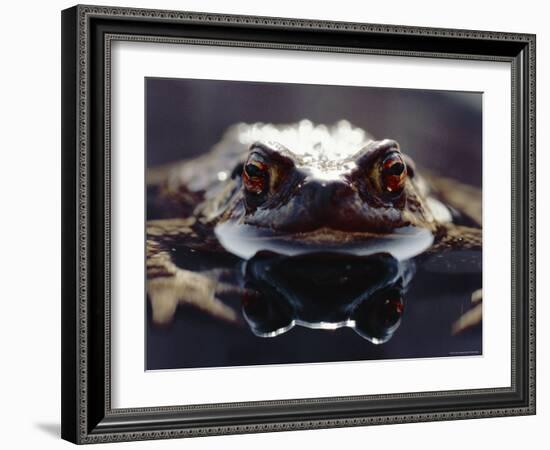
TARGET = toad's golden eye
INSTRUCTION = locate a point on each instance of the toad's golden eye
(256, 175)
(393, 173)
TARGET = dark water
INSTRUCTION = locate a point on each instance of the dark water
(386, 309)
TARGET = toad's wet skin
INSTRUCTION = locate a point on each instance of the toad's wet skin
(297, 190)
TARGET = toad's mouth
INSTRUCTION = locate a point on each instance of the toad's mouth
(246, 240)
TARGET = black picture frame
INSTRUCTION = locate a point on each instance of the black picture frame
(87, 415)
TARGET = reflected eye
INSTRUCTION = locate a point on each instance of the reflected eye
(393, 173)
(255, 175)
(377, 318)
(391, 309)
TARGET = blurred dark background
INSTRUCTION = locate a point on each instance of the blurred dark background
(440, 130)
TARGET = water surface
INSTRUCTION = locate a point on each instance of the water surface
(435, 290)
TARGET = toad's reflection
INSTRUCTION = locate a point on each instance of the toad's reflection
(325, 291)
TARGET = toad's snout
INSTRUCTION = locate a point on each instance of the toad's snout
(323, 198)
(324, 204)
(332, 204)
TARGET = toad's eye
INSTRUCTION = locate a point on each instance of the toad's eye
(256, 175)
(393, 172)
